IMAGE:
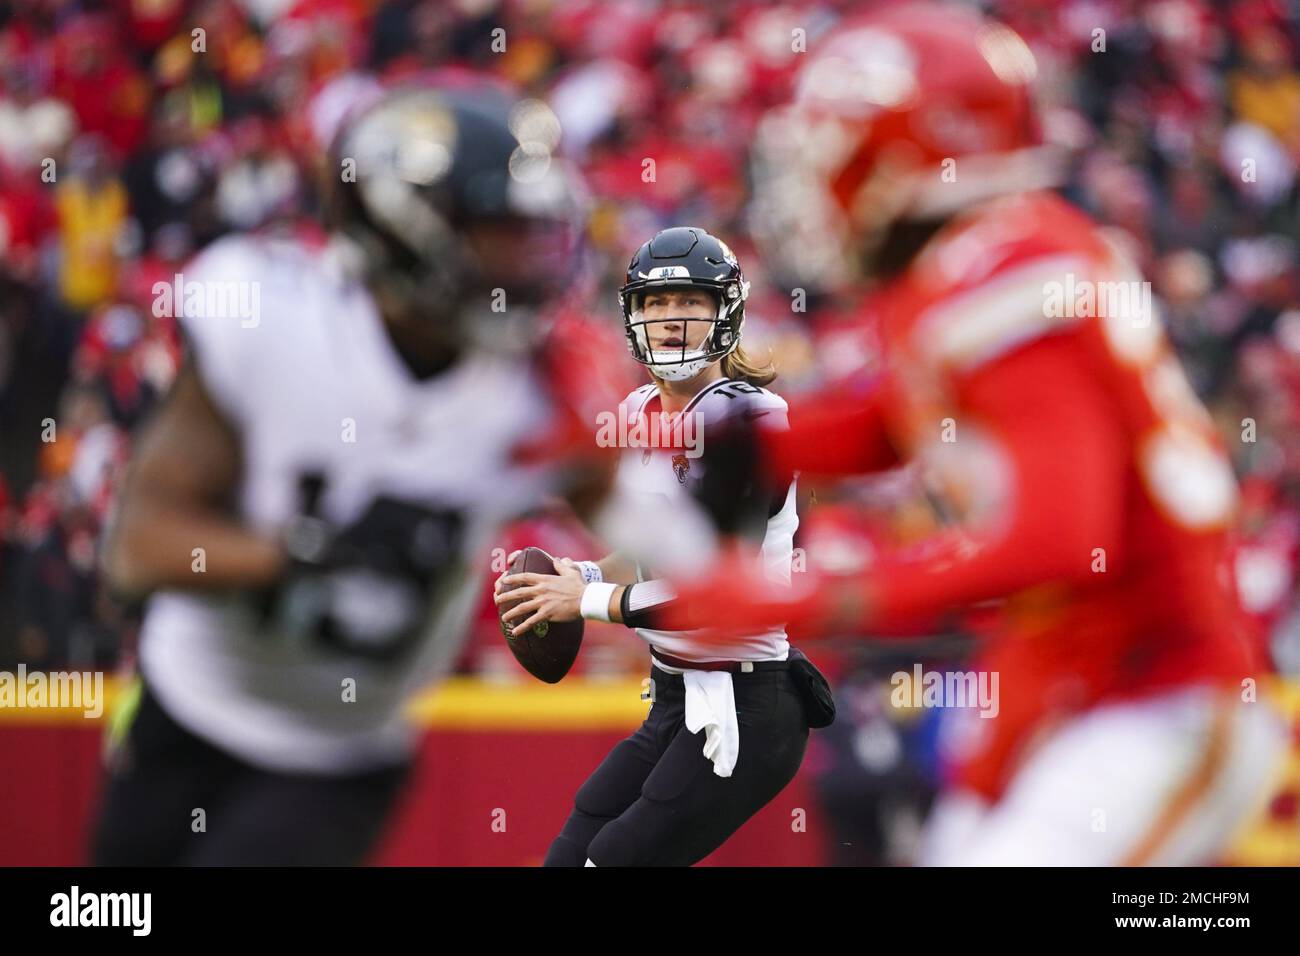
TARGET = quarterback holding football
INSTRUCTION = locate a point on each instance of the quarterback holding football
(728, 726)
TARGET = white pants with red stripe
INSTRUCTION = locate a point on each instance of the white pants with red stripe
(1167, 780)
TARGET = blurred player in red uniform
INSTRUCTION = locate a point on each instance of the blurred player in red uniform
(1028, 378)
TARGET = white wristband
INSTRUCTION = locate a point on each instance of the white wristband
(595, 600)
(590, 571)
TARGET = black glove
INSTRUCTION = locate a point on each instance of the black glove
(365, 589)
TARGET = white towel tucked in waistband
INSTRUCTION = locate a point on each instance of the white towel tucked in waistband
(711, 705)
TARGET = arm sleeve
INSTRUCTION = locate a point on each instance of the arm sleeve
(831, 434)
(1067, 453)
(642, 602)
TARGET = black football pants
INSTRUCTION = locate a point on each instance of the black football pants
(655, 800)
(252, 817)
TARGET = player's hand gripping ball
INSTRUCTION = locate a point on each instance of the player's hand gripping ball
(548, 649)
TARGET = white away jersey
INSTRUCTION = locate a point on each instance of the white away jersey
(312, 383)
(644, 471)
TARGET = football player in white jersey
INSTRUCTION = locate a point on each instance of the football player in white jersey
(728, 728)
(307, 509)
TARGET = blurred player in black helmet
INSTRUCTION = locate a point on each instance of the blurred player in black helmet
(727, 729)
(304, 511)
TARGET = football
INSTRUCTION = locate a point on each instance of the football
(548, 650)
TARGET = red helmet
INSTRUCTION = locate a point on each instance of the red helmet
(905, 113)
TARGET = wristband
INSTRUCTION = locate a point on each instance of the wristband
(595, 600)
(641, 601)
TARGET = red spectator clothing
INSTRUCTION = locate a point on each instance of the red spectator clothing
(134, 356)
(679, 173)
(335, 30)
(1265, 554)
(1093, 494)
(26, 219)
(150, 23)
(110, 97)
(589, 29)
(578, 357)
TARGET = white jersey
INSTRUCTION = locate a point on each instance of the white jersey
(312, 383)
(643, 471)
(1191, 755)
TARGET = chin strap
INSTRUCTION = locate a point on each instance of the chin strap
(678, 371)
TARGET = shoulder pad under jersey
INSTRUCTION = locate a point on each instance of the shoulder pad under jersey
(1004, 275)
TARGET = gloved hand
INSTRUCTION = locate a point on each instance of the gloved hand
(365, 589)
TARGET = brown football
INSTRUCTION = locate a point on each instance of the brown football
(548, 650)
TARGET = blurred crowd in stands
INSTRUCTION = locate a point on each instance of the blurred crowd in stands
(133, 132)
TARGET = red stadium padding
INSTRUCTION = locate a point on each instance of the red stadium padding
(478, 797)
(466, 779)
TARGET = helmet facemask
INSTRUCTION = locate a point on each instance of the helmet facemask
(676, 363)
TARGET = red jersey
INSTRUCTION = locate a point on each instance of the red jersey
(1049, 415)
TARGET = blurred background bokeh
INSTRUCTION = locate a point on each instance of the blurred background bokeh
(133, 132)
